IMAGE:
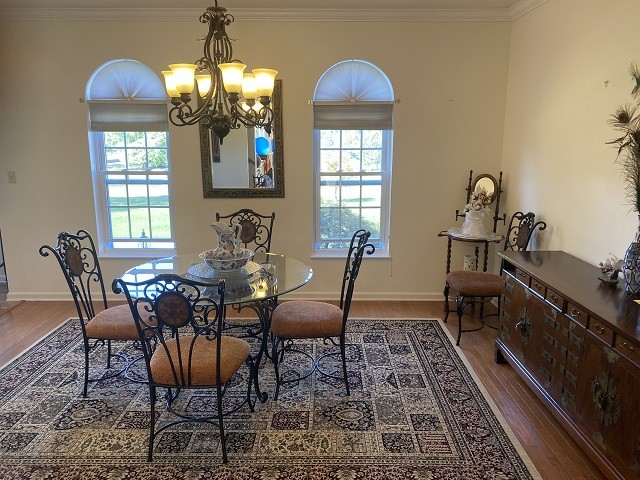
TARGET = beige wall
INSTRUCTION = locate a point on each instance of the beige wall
(568, 72)
(451, 78)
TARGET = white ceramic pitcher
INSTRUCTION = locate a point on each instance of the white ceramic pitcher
(228, 241)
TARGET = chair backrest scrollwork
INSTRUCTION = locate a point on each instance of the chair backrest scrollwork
(357, 248)
(77, 256)
(256, 228)
(521, 229)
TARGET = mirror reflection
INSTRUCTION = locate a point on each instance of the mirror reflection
(249, 163)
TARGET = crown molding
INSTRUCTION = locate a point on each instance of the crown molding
(285, 14)
(523, 7)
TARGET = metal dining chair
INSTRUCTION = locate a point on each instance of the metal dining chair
(303, 319)
(76, 254)
(181, 333)
(474, 287)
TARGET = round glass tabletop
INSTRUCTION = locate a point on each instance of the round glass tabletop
(268, 275)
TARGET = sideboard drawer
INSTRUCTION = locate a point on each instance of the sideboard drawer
(538, 287)
(576, 314)
(523, 277)
(600, 330)
(628, 349)
(554, 299)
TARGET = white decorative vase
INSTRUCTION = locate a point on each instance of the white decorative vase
(473, 224)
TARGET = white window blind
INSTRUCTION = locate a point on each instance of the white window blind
(353, 116)
(127, 116)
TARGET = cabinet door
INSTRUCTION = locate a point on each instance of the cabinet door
(513, 302)
(591, 387)
(531, 326)
(620, 409)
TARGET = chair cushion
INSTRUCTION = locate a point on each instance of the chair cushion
(114, 323)
(306, 319)
(233, 353)
(476, 284)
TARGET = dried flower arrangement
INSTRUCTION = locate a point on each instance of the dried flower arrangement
(478, 200)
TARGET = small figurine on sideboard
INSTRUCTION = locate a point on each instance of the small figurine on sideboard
(610, 269)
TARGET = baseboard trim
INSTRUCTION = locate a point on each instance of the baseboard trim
(297, 295)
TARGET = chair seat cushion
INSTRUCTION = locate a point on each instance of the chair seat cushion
(306, 319)
(114, 323)
(233, 353)
(476, 284)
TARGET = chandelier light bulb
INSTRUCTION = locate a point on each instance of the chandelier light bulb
(183, 75)
(232, 76)
(170, 84)
(204, 83)
(249, 87)
(265, 78)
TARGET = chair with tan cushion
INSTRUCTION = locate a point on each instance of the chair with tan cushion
(184, 350)
(303, 319)
(475, 288)
(77, 257)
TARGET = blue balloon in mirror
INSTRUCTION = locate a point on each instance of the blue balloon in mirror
(262, 146)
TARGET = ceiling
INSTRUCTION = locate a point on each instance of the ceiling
(276, 4)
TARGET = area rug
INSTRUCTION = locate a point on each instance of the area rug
(415, 412)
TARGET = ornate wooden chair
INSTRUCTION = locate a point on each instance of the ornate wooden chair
(184, 349)
(474, 287)
(78, 260)
(302, 319)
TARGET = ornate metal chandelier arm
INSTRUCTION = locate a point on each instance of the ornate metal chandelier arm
(181, 115)
(261, 118)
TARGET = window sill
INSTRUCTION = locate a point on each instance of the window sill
(131, 254)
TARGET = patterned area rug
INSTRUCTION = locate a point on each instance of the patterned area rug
(415, 412)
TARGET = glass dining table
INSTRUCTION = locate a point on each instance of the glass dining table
(257, 286)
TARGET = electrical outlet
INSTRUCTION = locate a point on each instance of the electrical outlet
(12, 177)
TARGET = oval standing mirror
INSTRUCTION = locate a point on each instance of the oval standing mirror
(487, 182)
(249, 163)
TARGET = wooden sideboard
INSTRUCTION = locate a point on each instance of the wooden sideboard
(576, 342)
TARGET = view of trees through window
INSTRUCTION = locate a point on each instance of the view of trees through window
(137, 186)
(351, 163)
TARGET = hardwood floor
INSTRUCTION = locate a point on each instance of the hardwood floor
(551, 449)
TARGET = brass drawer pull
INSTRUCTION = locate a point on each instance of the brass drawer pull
(575, 313)
(627, 346)
(598, 328)
(554, 297)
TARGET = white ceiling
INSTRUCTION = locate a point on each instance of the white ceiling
(276, 4)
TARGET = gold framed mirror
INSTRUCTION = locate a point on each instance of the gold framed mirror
(235, 169)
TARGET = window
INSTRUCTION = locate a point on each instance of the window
(353, 139)
(129, 150)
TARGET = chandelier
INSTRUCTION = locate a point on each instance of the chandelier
(219, 80)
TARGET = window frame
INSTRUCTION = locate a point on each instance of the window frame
(382, 243)
(99, 174)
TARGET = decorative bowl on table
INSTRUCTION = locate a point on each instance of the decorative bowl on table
(234, 262)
